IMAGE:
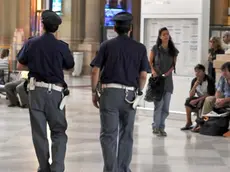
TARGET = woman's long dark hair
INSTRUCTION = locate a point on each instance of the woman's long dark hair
(171, 47)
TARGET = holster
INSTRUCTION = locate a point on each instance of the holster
(66, 94)
(130, 96)
(26, 86)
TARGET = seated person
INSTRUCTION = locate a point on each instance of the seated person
(201, 87)
(4, 65)
(4, 59)
(16, 93)
(222, 96)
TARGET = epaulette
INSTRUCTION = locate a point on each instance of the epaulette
(64, 42)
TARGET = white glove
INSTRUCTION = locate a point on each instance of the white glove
(138, 99)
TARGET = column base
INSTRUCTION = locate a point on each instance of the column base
(89, 50)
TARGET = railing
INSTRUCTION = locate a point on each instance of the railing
(218, 30)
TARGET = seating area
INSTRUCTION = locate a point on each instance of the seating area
(10, 79)
(209, 100)
(4, 70)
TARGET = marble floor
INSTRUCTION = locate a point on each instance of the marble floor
(179, 152)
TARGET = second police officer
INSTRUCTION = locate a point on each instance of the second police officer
(46, 57)
(124, 65)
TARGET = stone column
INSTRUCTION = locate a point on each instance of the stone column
(2, 21)
(92, 21)
(23, 16)
(64, 32)
(136, 12)
(13, 14)
(92, 32)
(8, 20)
(77, 23)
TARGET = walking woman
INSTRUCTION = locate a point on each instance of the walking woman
(163, 61)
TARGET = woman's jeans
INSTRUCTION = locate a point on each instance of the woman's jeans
(161, 111)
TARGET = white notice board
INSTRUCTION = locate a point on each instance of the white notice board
(184, 33)
(188, 23)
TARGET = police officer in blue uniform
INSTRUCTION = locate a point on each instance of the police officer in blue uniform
(124, 65)
(45, 57)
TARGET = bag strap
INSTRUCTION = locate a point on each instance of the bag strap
(156, 64)
(169, 71)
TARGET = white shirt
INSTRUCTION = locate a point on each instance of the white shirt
(4, 64)
(202, 89)
(226, 48)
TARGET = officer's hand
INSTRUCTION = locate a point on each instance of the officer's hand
(95, 100)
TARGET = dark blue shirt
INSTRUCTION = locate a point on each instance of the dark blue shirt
(46, 57)
(121, 60)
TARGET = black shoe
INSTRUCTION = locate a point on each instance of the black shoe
(24, 106)
(12, 105)
(186, 127)
(40, 170)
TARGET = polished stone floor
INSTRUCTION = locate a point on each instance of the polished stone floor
(179, 152)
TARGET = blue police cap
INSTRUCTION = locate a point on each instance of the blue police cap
(123, 18)
(50, 17)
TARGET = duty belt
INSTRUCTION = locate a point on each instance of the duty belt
(49, 86)
(124, 87)
(64, 90)
(120, 86)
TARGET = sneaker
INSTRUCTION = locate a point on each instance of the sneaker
(155, 131)
(162, 133)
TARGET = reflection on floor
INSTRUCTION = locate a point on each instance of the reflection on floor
(179, 152)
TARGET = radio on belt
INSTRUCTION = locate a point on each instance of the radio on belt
(32, 84)
(138, 98)
(64, 99)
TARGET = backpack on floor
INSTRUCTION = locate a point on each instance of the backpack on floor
(215, 126)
